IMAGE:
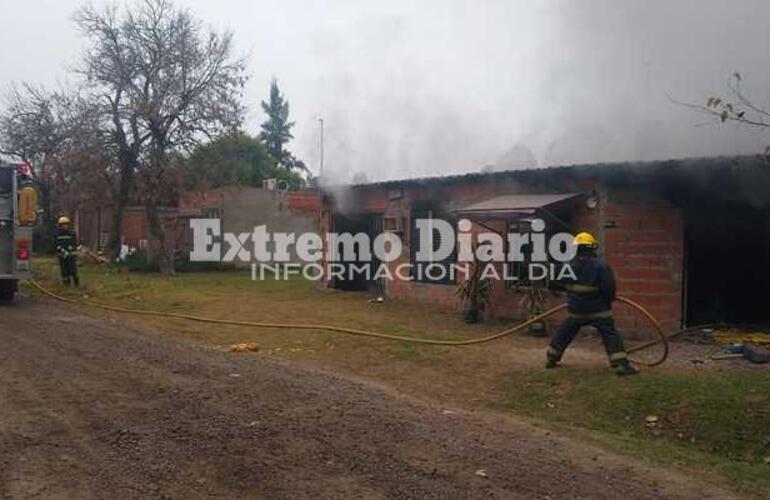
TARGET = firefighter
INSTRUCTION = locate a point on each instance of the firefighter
(590, 292)
(66, 248)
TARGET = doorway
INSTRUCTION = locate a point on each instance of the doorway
(356, 275)
(727, 262)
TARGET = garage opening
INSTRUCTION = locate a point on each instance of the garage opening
(727, 265)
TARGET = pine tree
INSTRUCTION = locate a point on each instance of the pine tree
(276, 130)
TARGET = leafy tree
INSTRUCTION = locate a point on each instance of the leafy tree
(291, 162)
(235, 158)
(276, 130)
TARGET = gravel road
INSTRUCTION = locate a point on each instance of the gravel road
(92, 408)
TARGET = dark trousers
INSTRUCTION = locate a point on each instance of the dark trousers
(68, 265)
(613, 343)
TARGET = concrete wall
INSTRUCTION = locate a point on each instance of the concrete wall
(243, 208)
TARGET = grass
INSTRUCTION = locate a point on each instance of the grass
(223, 293)
(714, 420)
(708, 420)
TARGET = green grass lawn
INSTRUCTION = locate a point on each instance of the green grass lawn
(717, 421)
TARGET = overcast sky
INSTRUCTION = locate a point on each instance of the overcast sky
(410, 88)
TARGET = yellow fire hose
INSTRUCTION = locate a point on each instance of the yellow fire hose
(663, 339)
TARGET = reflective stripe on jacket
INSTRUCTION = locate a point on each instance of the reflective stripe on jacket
(592, 293)
(66, 241)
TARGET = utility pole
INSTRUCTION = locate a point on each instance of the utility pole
(321, 162)
(319, 190)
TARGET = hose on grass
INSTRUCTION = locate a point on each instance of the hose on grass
(662, 338)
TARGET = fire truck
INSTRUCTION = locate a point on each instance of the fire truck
(18, 214)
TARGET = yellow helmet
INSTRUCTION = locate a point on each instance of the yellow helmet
(64, 220)
(586, 239)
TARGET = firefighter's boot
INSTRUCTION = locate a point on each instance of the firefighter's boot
(552, 357)
(624, 368)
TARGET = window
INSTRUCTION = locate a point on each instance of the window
(211, 213)
(440, 271)
(518, 273)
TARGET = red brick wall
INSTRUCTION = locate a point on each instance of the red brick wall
(644, 244)
(200, 199)
(136, 231)
(134, 227)
(305, 203)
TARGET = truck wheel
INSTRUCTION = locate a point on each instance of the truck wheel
(7, 290)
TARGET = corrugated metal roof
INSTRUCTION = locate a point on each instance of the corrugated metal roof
(522, 203)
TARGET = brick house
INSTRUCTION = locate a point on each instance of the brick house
(93, 223)
(689, 239)
(239, 207)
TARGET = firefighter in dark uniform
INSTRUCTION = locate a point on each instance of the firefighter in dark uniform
(66, 248)
(590, 298)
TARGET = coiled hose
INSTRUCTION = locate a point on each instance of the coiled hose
(662, 338)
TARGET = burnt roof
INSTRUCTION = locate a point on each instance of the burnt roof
(606, 169)
(740, 179)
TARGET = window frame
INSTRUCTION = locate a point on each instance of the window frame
(519, 267)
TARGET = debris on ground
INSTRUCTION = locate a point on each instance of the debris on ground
(722, 357)
(244, 347)
(89, 255)
(702, 336)
(481, 473)
(739, 336)
(734, 348)
(752, 345)
(754, 353)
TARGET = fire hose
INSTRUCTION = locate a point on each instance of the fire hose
(662, 337)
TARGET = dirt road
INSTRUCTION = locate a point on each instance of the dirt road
(91, 408)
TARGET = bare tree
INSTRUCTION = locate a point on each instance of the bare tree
(738, 107)
(33, 128)
(164, 83)
(59, 135)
